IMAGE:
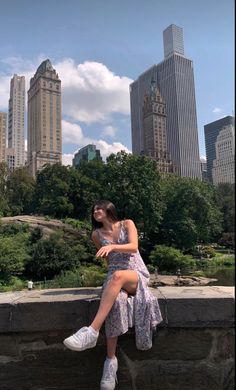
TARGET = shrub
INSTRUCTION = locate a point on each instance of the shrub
(92, 276)
(50, 257)
(13, 255)
(13, 284)
(11, 229)
(68, 279)
(208, 251)
(170, 259)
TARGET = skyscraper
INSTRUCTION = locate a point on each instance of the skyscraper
(175, 80)
(223, 170)
(3, 130)
(87, 153)
(44, 118)
(154, 129)
(212, 131)
(16, 119)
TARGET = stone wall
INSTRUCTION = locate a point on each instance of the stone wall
(193, 349)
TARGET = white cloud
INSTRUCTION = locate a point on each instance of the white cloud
(73, 134)
(91, 92)
(106, 149)
(203, 158)
(19, 66)
(67, 159)
(217, 110)
(109, 131)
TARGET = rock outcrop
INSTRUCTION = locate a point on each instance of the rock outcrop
(173, 280)
(47, 226)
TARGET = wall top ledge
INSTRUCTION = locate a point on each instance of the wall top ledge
(72, 308)
(91, 293)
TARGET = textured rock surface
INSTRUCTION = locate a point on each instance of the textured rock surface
(172, 280)
(48, 227)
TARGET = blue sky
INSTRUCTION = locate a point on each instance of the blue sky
(99, 47)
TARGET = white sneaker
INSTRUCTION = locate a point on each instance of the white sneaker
(85, 338)
(109, 378)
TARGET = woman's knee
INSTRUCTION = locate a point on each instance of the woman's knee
(117, 277)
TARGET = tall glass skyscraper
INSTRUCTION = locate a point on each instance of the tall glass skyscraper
(212, 131)
(175, 79)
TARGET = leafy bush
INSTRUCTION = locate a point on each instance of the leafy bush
(10, 229)
(68, 279)
(13, 255)
(208, 251)
(92, 276)
(170, 259)
(12, 284)
(77, 224)
(49, 257)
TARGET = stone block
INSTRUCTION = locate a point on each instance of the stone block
(171, 344)
(179, 375)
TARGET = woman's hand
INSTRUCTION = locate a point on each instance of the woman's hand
(105, 250)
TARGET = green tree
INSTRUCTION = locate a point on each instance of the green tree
(49, 257)
(52, 191)
(191, 213)
(133, 185)
(170, 259)
(20, 187)
(4, 203)
(226, 201)
(13, 255)
(92, 182)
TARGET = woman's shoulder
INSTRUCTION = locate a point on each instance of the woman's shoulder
(95, 234)
(128, 222)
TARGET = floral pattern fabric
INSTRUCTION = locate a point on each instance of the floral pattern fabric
(141, 310)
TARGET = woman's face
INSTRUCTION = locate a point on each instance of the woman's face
(99, 213)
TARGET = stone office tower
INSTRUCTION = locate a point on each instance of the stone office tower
(211, 131)
(175, 80)
(44, 118)
(3, 131)
(16, 119)
(154, 128)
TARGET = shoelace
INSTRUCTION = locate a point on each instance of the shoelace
(109, 371)
(78, 335)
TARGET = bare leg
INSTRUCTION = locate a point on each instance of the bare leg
(111, 346)
(128, 280)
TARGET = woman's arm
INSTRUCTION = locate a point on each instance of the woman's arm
(130, 247)
(95, 239)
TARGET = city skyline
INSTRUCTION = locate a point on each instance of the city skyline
(98, 54)
(174, 77)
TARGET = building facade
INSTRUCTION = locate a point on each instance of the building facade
(3, 134)
(44, 118)
(223, 170)
(10, 158)
(175, 80)
(203, 168)
(154, 129)
(16, 119)
(211, 132)
(87, 153)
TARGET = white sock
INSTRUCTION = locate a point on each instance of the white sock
(93, 331)
(113, 358)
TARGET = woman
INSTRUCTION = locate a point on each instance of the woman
(126, 300)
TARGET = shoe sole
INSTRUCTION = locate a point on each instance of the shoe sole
(72, 348)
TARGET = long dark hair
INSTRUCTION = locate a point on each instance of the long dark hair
(110, 210)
